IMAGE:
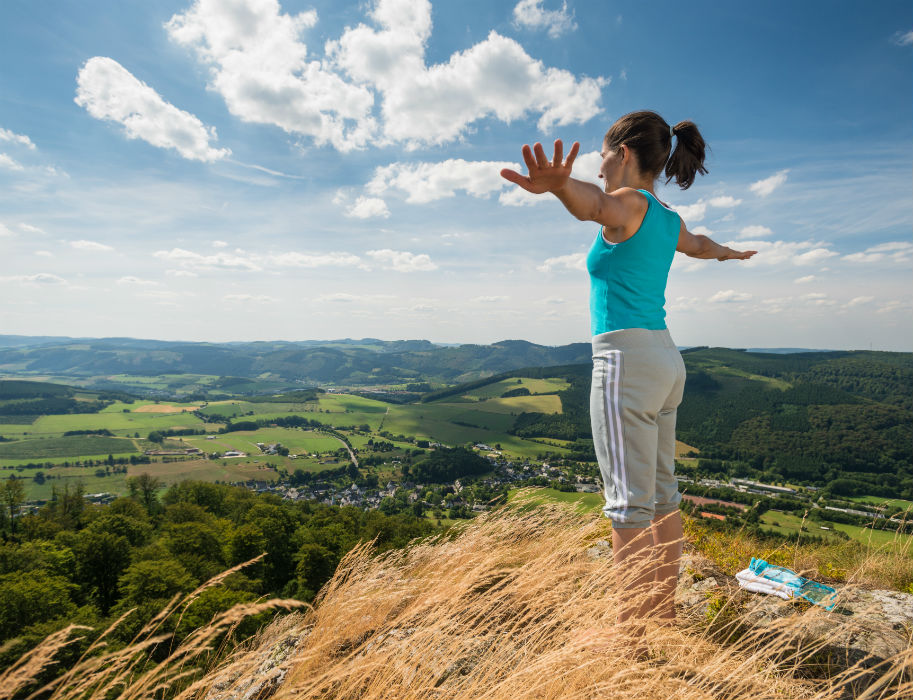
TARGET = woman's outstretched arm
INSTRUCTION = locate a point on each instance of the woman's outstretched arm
(582, 199)
(700, 246)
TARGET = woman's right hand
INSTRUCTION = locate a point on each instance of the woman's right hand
(544, 176)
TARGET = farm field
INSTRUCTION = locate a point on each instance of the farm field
(535, 386)
(118, 423)
(55, 447)
(789, 524)
(585, 501)
(298, 441)
(879, 501)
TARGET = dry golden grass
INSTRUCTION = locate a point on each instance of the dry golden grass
(510, 605)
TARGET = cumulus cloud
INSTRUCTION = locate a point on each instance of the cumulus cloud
(518, 197)
(895, 251)
(859, 301)
(245, 260)
(109, 92)
(902, 38)
(531, 14)
(574, 261)
(764, 187)
(724, 202)
(373, 85)
(41, 278)
(702, 231)
(805, 280)
(586, 167)
(729, 296)
(755, 231)
(783, 252)
(21, 139)
(90, 245)
(403, 261)
(363, 207)
(219, 244)
(427, 182)
(9, 163)
(692, 213)
(223, 261)
(180, 273)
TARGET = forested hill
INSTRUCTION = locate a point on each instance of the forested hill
(366, 361)
(837, 419)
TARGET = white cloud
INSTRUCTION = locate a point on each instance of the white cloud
(108, 91)
(859, 301)
(427, 182)
(518, 197)
(368, 208)
(782, 252)
(41, 278)
(4, 231)
(311, 260)
(44, 253)
(895, 251)
(9, 163)
(729, 296)
(702, 231)
(257, 298)
(586, 167)
(90, 245)
(755, 231)
(764, 187)
(805, 280)
(28, 228)
(225, 261)
(574, 261)
(180, 273)
(219, 244)
(372, 87)
(136, 281)
(724, 202)
(531, 14)
(403, 261)
(489, 300)
(692, 212)
(423, 104)
(902, 38)
(22, 140)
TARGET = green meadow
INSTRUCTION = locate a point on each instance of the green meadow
(535, 386)
(788, 524)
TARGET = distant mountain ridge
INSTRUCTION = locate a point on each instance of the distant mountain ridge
(347, 361)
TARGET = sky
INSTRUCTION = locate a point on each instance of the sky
(229, 170)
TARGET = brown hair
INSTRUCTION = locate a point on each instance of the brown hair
(650, 137)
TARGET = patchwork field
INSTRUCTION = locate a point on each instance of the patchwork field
(54, 447)
(535, 386)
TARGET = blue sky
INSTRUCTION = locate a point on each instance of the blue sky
(256, 169)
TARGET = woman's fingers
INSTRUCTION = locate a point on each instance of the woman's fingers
(559, 154)
(539, 152)
(575, 149)
(528, 158)
(516, 178)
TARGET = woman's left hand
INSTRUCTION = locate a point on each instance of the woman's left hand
(544, 175)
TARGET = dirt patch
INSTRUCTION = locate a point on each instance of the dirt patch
(165, 408)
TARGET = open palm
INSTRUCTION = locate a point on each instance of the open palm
(544, 175)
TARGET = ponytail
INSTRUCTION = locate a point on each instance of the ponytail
(687, 160)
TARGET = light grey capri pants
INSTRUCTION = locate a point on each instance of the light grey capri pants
(638, 380)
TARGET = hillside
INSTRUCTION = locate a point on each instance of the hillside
(517, 604)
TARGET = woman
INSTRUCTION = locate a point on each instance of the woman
(638, 374)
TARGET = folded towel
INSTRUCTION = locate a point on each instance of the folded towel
(747, 575)
(756, 587)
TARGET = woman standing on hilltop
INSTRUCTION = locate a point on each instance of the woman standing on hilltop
(638, 374)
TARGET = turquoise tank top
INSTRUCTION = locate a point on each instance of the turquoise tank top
(628, 279)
